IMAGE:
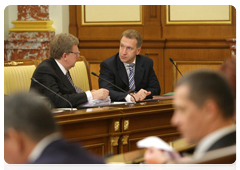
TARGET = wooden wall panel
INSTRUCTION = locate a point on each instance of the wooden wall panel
(194, 42)
(152, 24)
(157, 56)
(188, 66)
(193, 31)
(73, 27)
(98, 54)
(95, 67)
(189, 55)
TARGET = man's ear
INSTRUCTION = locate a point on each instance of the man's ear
(211, 110)
(139, 50)
(64, 56)
(16, 149)
(14, 139)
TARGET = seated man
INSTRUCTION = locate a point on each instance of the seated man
(204, 109)
(130, 71)
(53, 73)
(32, 136)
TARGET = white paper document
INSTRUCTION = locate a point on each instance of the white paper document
(159, 144)
(97, 102)
(58, 110)
(116, 103)
(155, 142)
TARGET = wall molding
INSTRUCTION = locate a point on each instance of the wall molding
(163, 43)
(182, 42)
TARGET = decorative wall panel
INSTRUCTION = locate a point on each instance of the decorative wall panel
(111, 14)
(199, 14)
(182, 42)
(188, 66)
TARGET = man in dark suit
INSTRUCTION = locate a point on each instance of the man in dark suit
(204, 111)
(54, 74)
(130, 71)
(32, 136)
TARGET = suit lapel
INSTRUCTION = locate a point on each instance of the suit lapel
(62, 77)
(227, 140)
(139, 72)
(122, 73)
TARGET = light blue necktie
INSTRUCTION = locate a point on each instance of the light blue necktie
(131, 78)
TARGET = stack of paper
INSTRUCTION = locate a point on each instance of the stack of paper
(97, 102)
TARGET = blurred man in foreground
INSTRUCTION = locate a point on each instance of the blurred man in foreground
(204, 108)
(32, 136)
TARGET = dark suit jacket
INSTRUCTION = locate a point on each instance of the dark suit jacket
(114, 71)
(49, 74)
(227, 140)
(63, 152)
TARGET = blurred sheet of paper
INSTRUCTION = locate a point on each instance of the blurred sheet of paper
(155, 142)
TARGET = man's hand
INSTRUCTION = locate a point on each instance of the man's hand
(141, 95)
(100, 94)
(155, 156)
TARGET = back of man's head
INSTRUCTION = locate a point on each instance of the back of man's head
(204, 85)
(28, 113)
(62, 43)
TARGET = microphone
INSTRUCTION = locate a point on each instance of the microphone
(52, 91)
(175, 66)
(113, 85)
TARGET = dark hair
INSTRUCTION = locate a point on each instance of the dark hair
(205, 85)
(62, 43)
(28, 113)
(130, 33)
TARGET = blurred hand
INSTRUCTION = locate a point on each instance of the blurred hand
(155, 156)
(141, 95)
(100, 94)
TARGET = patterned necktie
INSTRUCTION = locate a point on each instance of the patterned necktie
(131, 78)
(78, 89)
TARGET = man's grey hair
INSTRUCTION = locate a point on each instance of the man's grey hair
(28, 113)
(62, 43)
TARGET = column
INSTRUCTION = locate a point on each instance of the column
(31, 34)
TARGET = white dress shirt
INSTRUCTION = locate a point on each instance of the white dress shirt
(210, 139)
(88, 93)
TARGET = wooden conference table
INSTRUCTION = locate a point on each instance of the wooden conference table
(116, 129)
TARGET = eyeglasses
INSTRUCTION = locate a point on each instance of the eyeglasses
(76, 53)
